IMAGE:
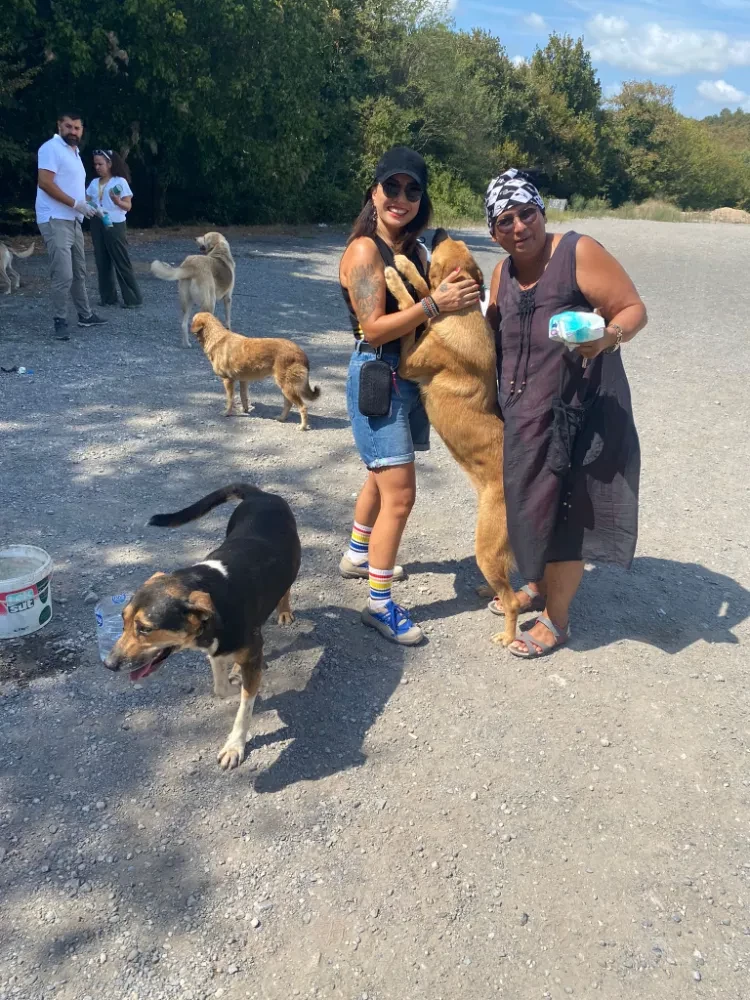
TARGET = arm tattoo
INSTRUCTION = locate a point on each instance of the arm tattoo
(365, 286)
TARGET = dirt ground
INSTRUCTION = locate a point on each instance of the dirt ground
(431, 823)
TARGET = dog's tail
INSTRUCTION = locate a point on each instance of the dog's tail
(237, 491)
(166, 272)
(302, 378)
(24, 253)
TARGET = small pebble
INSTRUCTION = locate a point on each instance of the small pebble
(255, 922)
(524, 919)
(605, 742)
(697, 976)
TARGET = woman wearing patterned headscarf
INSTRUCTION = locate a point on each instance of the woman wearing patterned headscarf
(571, 462)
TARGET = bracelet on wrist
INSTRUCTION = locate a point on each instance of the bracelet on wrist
(430, 307)
(618, 332)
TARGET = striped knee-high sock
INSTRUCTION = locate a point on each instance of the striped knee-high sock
(380, 588)
(359, 543)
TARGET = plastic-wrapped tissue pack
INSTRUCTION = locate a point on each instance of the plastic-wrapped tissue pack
(573, 328)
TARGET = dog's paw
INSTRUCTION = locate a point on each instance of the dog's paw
(285, 618)
(248, 409)
(230, 755)
(228, 413)
(484, 590)
(501, 639)
(304, 427)
(222, 691)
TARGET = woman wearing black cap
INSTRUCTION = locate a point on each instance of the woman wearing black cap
(396, 209)
(571, 459)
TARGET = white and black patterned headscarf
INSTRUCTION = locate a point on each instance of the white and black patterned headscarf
(508, 190)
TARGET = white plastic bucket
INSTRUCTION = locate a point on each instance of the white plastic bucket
(25, 597)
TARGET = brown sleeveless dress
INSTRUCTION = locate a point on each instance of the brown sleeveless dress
(571, 461)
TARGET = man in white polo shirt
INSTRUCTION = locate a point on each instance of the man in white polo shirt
(60, 208)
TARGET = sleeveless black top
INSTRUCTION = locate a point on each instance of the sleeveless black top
(391, 306)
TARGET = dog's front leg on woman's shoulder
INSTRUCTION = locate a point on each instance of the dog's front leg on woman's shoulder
(397, 288)
(407, 269)
(284, 609)
(250, 661)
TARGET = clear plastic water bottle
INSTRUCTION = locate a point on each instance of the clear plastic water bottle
(109, 625)
(106, 220)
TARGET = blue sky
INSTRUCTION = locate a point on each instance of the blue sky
(700, 47)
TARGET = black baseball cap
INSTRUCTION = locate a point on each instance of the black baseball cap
(402, 160)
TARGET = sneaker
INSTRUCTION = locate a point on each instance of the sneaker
(61, 329)
(395, 624)
(92, 320)
(353, 571)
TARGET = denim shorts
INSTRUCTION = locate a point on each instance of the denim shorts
(393, 439)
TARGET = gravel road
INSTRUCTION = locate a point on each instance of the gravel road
(421, 824)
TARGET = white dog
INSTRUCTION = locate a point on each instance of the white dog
(203, 280)
(10, 279)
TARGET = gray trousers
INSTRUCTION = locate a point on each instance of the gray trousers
(67, 266)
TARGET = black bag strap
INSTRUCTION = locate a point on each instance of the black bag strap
(389, 259)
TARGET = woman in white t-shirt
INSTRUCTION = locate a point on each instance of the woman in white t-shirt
(111, 196)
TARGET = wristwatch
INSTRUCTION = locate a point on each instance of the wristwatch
(617, 330)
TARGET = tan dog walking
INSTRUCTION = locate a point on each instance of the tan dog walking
(203, 279)
(235, 358)
(455, 365)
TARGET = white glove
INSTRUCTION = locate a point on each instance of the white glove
(86, 210)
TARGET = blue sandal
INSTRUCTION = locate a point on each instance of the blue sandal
(535, 647)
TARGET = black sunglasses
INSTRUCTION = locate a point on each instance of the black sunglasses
(392, 189)
(506, 222)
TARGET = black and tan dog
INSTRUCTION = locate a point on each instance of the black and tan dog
(218, 605)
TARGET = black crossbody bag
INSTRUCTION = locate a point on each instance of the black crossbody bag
(375, 387)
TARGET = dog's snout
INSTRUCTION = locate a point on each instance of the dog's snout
(112, 661)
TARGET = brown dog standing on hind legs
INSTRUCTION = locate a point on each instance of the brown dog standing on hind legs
(235, 358)
(454, 362)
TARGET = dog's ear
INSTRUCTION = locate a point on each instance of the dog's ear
(199, 603)
(437, 239)
(198, 324)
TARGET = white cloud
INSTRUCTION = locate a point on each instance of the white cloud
(518, 61)
(652, 48)
(536, 21)
(721, 92)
